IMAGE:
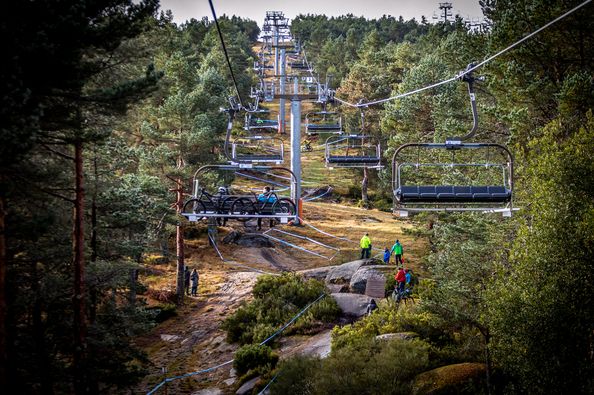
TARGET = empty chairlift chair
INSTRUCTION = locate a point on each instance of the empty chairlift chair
(480, 180)
(353, 151)
(257, 149)
(476, 176)
(323, 122)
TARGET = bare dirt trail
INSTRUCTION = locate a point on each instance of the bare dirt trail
(193, 340)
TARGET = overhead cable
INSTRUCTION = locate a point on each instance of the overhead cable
(456, 77)
(214, 15)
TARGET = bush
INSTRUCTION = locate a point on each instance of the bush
(296, 376)
(162, 295)
(276, 300)
(163, 312)
(390, 284)
(383, 205)
(380, 367)
(254, 356)
(391, 320)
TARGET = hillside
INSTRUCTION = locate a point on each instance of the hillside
(192, 340)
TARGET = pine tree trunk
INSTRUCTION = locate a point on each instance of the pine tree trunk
(133, 281)
(80, 323)
(488, 369)
(180, 289)
(3, 314)
(38, 335)
(364, 183)
(94, 252)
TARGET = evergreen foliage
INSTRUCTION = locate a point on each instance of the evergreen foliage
(276, 300)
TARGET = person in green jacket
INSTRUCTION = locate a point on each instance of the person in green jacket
(365, 246)
(398, 252)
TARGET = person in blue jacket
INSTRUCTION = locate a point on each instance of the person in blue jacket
(266, 196)
(387, 255)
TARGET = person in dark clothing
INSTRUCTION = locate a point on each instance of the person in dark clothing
(194, 278)
(371, 306)
(187, 280)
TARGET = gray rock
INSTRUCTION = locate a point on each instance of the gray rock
(208, 391)
(359, 279)
(319, 345)
(248, 386)
(398, 336)
(170, 338)
(248, 240)
(319, 273)
(342, 274)
(337, 288)
(352, 304)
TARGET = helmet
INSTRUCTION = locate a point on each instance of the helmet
(222, 190)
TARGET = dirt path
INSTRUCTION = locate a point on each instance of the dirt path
(194, 340)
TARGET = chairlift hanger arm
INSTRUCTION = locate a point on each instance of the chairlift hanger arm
(468, 77)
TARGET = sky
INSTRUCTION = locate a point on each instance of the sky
(256, 9)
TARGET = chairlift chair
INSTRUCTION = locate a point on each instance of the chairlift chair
(353, 151)
(257, 149)
(253, 122)
(238, 206)
(323, 122)
(474, 177)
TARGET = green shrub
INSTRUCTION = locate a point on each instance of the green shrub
(254, 356)
(276, 300)
(390, 283)
(369, 367)
(383, 205)
(163, 311)
(391, 319)
(296, 376)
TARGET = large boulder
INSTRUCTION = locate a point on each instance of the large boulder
(468, 378)
(319, 273)
(352, 304)
(342, 274)
(248, 386)
(360, 277)
(248, 239)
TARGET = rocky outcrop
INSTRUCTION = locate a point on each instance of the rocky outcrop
(352, 304)
(247, 387)
(319, 273)
(451, 379)
(248, 239)
(342, 274)
(359, 279)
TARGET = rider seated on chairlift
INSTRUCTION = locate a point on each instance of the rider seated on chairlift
(267, 196)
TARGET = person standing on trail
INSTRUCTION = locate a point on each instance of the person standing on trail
(398, 252)
(365, 246)
(387, 255)
(194, 278)
(408, 276)
(400, 280)
(187, 280)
